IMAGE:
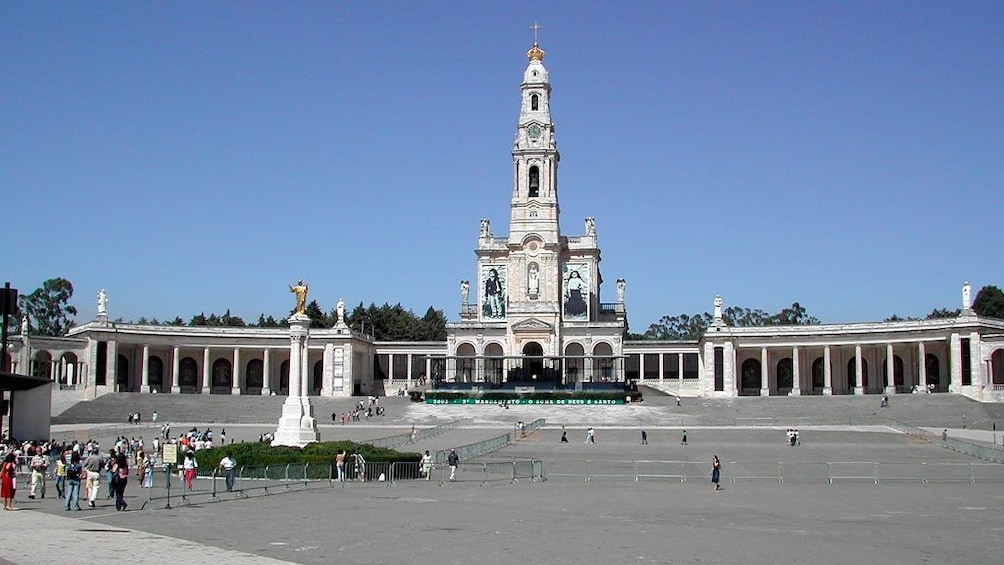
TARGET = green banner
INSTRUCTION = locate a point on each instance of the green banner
(582, 401)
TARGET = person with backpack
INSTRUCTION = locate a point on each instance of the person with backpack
(74, 472)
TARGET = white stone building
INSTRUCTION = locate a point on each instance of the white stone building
(534, 319)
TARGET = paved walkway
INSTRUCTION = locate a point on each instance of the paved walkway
(560, 521)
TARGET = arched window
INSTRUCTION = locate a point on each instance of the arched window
(897, 371)
(494, 364)
(465, 363)
(852, 373)
(535, 102)
(534, 183)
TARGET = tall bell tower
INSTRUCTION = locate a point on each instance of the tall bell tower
(534, 208)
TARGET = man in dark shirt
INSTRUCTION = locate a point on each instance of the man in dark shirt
(453, 460)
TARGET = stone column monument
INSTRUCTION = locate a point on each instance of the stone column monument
(297, 425)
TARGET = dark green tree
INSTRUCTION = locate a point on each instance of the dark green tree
(48, 308)
(989, 302)
(939, 313)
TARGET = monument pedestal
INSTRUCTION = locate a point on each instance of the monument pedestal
(297, 425)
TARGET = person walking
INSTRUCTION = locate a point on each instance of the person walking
(39, 465)
(189, 466)
(61, 474)
(7, 472)
(93, 466)
(716, 469)
(684, 440)
(644, 437)
(120, 478)
(228, 464)
(427, 465)
(74, 472)
(453, 460)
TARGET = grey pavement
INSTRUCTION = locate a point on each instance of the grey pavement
(561, 520)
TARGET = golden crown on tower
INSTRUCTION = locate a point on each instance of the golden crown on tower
(535, 53)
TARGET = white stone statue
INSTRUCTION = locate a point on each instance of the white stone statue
(24, 325)
(486, 228)
(533, 279)
(718, 307)
(465, 292)
(340, 310)
(590, 226)
(967, 302)
(621, 285)
(102, 303)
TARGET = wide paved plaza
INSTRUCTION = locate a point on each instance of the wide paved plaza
(565, 519)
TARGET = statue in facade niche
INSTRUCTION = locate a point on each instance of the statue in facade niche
(465, 292)
(102, 303)
(300, 290)
(533, 279)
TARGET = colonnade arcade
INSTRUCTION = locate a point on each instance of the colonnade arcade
(492, 368)
(842, 369)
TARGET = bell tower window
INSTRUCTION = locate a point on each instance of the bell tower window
(535, 102)
(534, 184)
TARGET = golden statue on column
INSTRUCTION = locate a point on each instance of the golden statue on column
(300, 290)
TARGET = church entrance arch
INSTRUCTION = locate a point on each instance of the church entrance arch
(122, 374)
(494, 365)
(750, 377)
(222, 377)
(68, 376)
(318, 382)
(254, 377)
(785, 376)
(818, 375)
(997, 368)
(603, 364)
(155, 370)
(575, 364)
(41, 366)
(933, 369)
(465, 364)
(531, 371)
(188, 376)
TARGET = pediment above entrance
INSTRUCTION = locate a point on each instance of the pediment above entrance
(532, 324)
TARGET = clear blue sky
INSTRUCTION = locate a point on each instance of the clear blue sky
(193, 157)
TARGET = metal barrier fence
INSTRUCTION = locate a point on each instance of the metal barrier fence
(491, 445)
(984, 452)
(417, 434)
(827, 472)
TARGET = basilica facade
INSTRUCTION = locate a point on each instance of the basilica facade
(532, 317)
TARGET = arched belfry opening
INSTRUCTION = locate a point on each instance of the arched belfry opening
(534, 182)
(535, 102)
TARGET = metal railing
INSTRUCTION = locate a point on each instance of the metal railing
(418, 434)
(491, 445)
(990, 453)
(824, 472)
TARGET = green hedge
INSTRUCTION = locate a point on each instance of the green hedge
(259, 454)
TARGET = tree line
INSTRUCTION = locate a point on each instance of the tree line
(50, 313)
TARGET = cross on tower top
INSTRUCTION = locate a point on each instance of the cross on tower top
(535, 27)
